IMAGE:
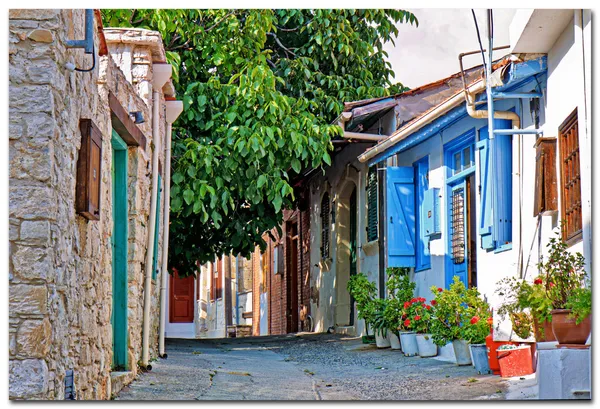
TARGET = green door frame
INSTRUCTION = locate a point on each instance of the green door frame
(119, 253)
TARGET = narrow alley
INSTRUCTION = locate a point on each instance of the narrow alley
(304, 367)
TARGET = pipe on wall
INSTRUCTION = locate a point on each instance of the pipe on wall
(345, 117)
(174, 109)
(160, 75)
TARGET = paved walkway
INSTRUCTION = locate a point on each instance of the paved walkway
(305, 367)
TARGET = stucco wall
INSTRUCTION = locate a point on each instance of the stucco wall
(324, 282)
(60, 277)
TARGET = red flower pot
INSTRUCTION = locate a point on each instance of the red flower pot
(567, 331)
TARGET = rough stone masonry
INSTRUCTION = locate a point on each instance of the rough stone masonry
(60, 275)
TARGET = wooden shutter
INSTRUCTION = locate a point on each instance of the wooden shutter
(423, 259)
(89, 167)
(325, 226)
(401, 216)
(219, 280)
(570, 178)
(213, 290)
(500, 212)
(372, 204)
(546, 193)
(502, 208)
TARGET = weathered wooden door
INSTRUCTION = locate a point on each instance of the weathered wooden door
(119, 251)
(181, 298)
(292, 278)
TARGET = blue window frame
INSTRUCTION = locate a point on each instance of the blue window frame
(423, 258)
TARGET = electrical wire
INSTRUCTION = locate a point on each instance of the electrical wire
(479, 39)
(93, 63)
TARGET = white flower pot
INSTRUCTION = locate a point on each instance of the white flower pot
(426, 346)
(461, 352)
(394, 340)
(409, 343)
(381, 341)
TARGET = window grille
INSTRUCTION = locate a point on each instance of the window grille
(325, 226)
(458, 226)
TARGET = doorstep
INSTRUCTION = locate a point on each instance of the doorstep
(119, 380)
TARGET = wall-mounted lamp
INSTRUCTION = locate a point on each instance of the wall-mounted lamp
(137, 116)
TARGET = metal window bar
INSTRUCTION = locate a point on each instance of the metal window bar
(325, 226)
(458, 226)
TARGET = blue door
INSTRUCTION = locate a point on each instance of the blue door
(458, 227)
(400, 216)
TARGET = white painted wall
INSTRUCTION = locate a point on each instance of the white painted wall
(323, 274)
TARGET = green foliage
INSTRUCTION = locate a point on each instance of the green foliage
(381, 320)
(400, 289)
(364, 293)
(580, 302)
(459, 313)
(417, 315)
(260, 90)
(563, 272)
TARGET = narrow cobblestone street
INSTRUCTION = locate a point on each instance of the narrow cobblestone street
(304, 367)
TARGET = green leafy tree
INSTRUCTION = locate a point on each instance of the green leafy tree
(260, 90)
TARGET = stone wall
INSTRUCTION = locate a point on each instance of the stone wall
(60, 275)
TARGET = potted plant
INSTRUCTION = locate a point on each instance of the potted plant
(449, 313)
(421, 322)
(564, 283)
(527, 307)
(380, 323)
(408, 336)
(475, 328)
(400, 289)
(364, 293)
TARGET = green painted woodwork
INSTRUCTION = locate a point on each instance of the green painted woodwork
(372, 204)
(156, 231)
(119, 253)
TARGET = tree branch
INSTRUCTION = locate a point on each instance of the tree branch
(219, 22)
(295, 28)
(287, 50)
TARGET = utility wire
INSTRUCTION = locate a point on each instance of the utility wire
(479, 39)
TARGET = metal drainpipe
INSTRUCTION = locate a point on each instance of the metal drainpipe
(174, 108)
(161, 74)
(490, 109)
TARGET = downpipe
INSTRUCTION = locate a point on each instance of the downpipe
(174, 109)
(161, 74)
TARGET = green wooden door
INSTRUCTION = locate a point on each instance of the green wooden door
(119, 253)
(353, 229)
(155, 265)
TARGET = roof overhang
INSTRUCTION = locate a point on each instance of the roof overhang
(536, 30)
(508, 76)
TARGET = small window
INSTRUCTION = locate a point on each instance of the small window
(546, 193)
(325, 226)
(570, 178)
(372, 204)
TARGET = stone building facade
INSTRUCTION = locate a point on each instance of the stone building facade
(60, 268)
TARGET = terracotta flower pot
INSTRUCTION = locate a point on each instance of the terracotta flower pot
(548, 334)
(567, 331)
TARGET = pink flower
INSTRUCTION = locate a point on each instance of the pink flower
(551, 285)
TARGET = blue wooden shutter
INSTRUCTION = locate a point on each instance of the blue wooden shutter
(423, 259)
(503, 178)
(485, 213)
(500, 212)
(400, 216)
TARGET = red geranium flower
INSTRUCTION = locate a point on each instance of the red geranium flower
(413, 300)
(474, 320)
(490, 320)
(551, 285)
(403, 316)
(406, 305)
(427, 307)
(537, 281)
(433, 302)
(417, 317)
(440, 290)
(407, 323)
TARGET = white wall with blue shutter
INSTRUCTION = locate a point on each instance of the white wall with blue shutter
(400, 200)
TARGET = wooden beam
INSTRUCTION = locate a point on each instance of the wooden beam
(124, 125)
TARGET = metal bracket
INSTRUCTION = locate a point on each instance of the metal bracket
(88, 43)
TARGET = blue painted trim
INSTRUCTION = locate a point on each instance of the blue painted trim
(503, 248)
(422, 254)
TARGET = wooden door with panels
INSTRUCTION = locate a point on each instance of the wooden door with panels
(181, 296)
